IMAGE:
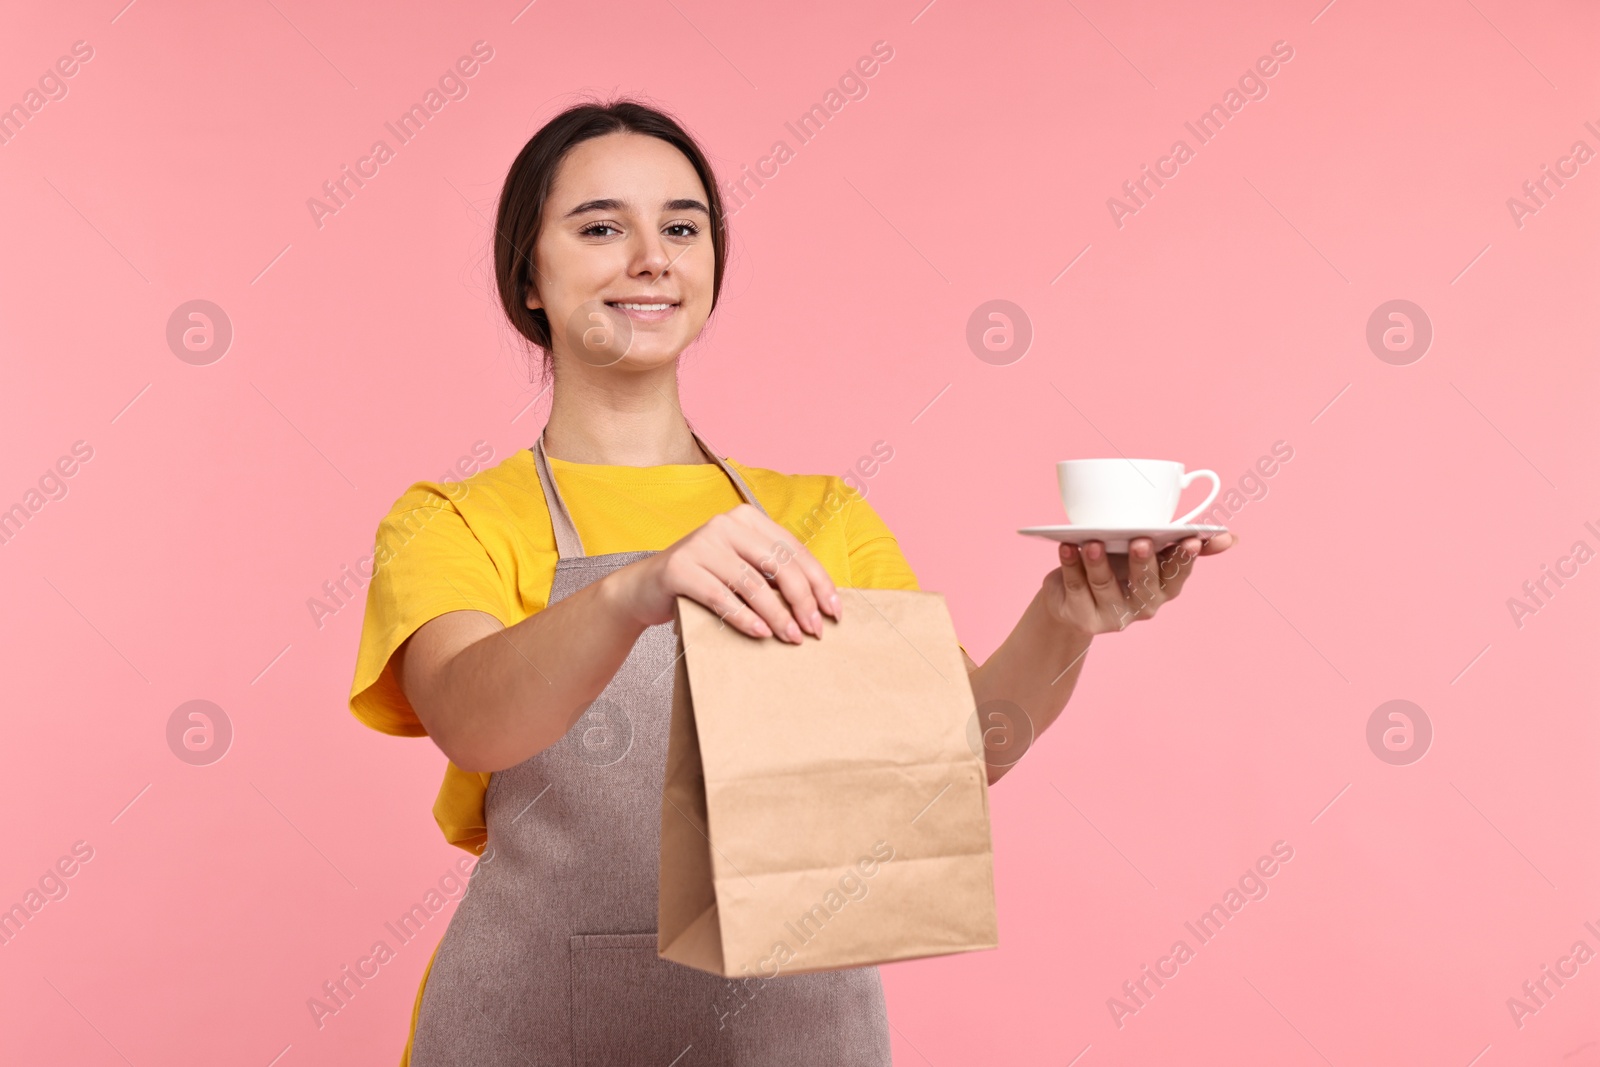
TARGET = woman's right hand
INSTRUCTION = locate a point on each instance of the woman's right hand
(726, 565)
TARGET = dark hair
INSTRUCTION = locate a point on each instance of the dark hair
(527, 187)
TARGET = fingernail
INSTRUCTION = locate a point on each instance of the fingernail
(833, 599)
(792, 632)
(1094, 550)
(1070, 554)
(816, 623)
(763, 629)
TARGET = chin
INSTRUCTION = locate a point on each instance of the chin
(651, 355)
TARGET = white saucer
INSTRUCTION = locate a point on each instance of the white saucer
(1116, 538)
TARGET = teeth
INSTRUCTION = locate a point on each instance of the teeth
(642, 307)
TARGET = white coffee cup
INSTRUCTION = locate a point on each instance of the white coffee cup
(1128, 492)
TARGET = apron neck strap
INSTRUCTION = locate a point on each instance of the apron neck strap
(568, 544)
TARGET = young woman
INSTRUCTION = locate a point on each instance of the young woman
(522, 619)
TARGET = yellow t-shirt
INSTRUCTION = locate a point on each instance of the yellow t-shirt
(486, 543)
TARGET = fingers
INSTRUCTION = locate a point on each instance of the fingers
(749, 552)
(1103, 583)
(781, 551)
(1177, 564)
(1073, 579)
(1173, 555)
(746, 584)
(800, 577)
(1144, 577)
(699, 583)
(1077, 604)
(1153, 577)
(734, 558)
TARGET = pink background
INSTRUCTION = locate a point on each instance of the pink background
(1229, 313)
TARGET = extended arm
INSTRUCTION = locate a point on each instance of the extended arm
(1022, 688)
(492, 695)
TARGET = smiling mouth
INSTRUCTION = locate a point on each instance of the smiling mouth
(632, 306)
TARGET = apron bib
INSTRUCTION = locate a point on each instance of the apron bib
(550, 958)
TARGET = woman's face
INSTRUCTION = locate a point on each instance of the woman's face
(624, 260)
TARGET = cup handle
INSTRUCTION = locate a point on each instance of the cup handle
(1184, 482)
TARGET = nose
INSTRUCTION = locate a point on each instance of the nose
(651, 257)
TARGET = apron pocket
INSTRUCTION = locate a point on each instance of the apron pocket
(630, 1006)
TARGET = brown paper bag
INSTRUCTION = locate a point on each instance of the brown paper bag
(823, 806)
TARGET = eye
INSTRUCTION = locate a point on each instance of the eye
(689, 226)
(589, 230)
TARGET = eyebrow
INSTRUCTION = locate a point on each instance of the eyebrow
(613, 204)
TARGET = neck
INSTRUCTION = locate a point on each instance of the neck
(608, 416)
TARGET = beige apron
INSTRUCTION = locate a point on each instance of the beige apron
(551, 958)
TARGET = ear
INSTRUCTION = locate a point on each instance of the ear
(532, 299)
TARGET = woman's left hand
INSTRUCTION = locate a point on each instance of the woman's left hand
(1093, 592)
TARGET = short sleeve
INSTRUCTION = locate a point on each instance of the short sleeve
(458, 809)
(876, 561)
(426, 562)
